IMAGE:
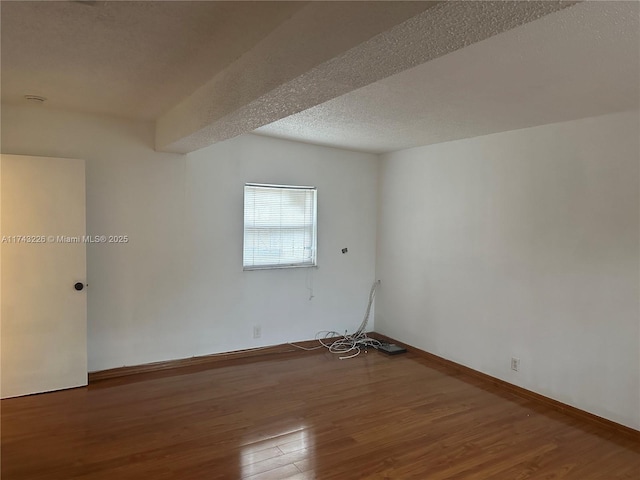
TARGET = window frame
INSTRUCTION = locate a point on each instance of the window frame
(314, 226)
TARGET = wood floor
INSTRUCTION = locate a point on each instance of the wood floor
(306, 415)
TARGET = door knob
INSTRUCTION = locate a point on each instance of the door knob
(79, 286)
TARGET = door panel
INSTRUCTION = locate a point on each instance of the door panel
(43, 317)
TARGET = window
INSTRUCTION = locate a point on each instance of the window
(279, 226)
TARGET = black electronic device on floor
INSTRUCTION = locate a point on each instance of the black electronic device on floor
(391, 349)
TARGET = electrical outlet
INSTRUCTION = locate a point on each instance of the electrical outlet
(257, 331)
(515, 364)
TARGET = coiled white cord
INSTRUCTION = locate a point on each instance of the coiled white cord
(350, 345)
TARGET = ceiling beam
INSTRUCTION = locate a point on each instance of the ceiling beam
(328, 49)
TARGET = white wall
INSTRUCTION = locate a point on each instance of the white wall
(177, 289)
(278, 300)
(525, 244)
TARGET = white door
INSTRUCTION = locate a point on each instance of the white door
(43, 317)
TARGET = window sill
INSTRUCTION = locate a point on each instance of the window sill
(277, 267)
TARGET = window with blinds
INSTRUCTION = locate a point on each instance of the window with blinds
(280, 227)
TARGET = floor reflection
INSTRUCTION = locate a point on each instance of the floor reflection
(280, 456)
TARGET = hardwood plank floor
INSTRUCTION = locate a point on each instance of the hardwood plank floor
(304, 415)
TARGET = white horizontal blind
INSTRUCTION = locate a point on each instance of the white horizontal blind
(279, 226)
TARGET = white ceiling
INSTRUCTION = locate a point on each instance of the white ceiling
(131, 59)
(371, 76)
(579, 62)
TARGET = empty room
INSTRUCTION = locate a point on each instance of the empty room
(320, 240)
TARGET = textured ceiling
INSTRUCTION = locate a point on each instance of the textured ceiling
(339, 46)
(131, 59)
(286, 72)
(371, 76)
(578, 62)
